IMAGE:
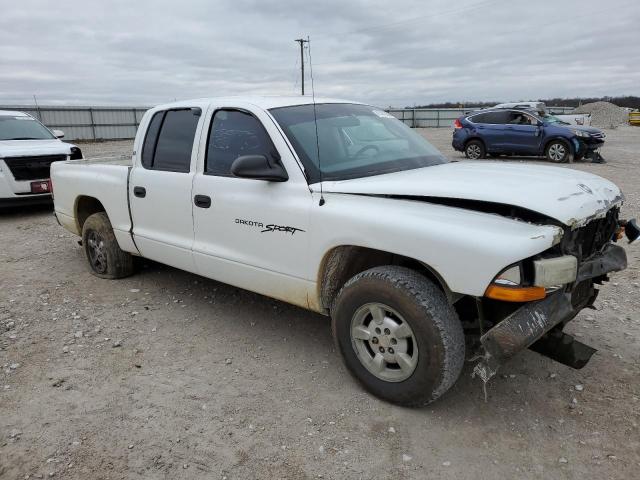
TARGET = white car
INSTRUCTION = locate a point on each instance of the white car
(340, 208)
(540, 107)
(27, 149)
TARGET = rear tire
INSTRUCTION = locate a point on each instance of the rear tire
(557, 151)
(398, 335)
(105, 258)
(474, 150)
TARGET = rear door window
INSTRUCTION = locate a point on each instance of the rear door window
(479, 118)
(493, 118)
(151, 139)
(169, 140)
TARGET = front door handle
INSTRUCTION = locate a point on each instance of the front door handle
(202, 201)
(140, 192)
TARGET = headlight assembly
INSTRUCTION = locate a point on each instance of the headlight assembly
(580, 133)
(549, 274)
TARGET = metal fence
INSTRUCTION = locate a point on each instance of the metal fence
(87, 123)
(443, 117)
(111, 123)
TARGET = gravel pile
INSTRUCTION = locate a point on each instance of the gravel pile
(604, 114)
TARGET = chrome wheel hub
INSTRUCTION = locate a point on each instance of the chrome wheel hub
(557, 152)
(97, 252)
(473, 151)
(384, 342)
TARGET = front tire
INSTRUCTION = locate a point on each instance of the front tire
(557, 151)
(398, 335)
(474, 150)
(105, 258)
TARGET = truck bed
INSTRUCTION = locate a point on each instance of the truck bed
(104, 178)
(120, 160)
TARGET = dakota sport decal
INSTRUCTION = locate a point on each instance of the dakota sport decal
(271, 227)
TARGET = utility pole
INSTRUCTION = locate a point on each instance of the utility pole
(302, 41)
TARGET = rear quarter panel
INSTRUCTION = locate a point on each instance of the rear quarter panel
(104, 181)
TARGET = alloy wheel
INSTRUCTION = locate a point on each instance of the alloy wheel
(473, 151)
(557, 152)
(384, 342)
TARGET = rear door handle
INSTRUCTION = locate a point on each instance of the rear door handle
(140, 192)
(202, 201)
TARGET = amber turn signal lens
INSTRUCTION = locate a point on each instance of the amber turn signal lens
(515, 294)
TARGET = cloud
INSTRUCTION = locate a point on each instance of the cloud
(386, 53)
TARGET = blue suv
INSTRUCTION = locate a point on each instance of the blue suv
(525, 132)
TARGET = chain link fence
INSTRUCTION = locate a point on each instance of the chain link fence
(114, 123)
(87, 123)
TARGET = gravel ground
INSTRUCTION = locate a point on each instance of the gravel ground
(167, 375)
(605, 114)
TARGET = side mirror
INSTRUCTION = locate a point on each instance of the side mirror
(58, 133)
(258, 167)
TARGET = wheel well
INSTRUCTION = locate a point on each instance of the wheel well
(558, 139)
(343, 262)
(85, 207)
(484, 145)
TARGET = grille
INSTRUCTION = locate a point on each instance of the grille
(594, 235)
(32, 168)
(598, 135)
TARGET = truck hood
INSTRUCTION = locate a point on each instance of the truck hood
(22, 148)
(569, 196)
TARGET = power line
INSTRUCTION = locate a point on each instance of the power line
(392, 25)
(302, 41)
(403, 53)
(422, 17)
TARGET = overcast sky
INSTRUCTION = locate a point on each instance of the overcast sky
(141, 52)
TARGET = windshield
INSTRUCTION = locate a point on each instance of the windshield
(553, 119)
(22, 128)
(354, 141)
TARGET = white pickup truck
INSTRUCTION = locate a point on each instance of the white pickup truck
(340, 208)
(27, 149)
(583, 119)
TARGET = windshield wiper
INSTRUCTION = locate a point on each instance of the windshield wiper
(24, 138)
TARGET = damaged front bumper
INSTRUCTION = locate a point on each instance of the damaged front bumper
(527, 325)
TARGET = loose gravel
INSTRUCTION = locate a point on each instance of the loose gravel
(605, 114)
(213, 382)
